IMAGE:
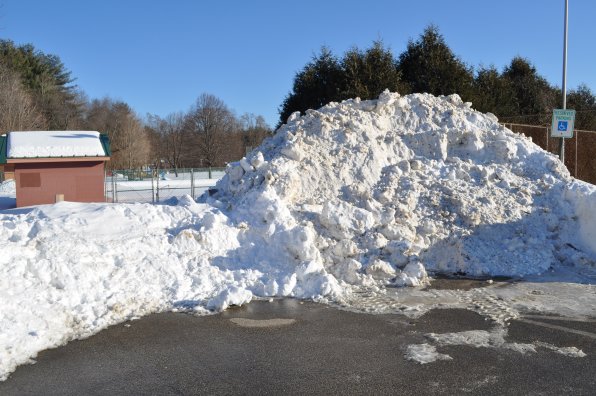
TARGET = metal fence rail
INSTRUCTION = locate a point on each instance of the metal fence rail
(133, 185)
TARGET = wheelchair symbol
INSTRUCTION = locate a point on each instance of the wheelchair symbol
(562, 126)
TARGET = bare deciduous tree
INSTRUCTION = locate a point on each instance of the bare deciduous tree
(171, 138)
(210, 120)
(128, 138)
(254, 130)
(17, 111)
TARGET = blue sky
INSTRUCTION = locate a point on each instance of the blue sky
(159, 56)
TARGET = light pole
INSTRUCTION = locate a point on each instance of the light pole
(562, 141)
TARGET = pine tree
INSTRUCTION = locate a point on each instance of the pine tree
(317, 84)
(429, 65)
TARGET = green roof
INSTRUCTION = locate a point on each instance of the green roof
(105, 142)
(3, 148)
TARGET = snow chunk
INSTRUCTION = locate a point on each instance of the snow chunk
(425, 353)
(228, 297)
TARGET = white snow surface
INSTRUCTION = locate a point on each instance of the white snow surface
(413, 179)
(359, 194)
(48, 144)
(8, 187)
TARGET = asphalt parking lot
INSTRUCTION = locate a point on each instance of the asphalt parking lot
(293, 347)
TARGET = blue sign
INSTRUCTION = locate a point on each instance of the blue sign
(562, 125)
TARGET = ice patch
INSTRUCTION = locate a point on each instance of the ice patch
(496, 339)
(425, 353)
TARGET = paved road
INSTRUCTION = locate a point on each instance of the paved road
(292, 347)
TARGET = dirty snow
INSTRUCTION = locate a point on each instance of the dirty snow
(341, 203)
(425, 353)
(496, 339)
(47, 144)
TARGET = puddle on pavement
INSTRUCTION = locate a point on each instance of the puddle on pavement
(254, 323)
(447, 283)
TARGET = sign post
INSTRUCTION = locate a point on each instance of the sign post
(564, 87)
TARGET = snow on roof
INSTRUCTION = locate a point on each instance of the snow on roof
(47, 144)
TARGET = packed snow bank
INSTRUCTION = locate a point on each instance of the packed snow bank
(8, 187)
(583, 197)
(386, 189)
(357, 194)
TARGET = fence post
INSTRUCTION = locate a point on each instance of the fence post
(547, 128)
(192, 183)
(209, 171)
(105, 184)
(152, 186)
(576, 139)
(115, 193)
(157, 186)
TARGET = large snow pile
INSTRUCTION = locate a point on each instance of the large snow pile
(411, 183)
(357, 194)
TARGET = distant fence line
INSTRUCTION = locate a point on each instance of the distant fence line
(580, 150)
(134, 185)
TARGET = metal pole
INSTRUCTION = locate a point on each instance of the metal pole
(562, 141)
(192, 183)
(115, 189)
(153, 186)
(576, 139)
(157, 184)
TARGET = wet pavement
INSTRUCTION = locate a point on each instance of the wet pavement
(293, 347)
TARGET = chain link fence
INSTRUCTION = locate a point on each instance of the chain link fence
(580, 150)
(157, 185)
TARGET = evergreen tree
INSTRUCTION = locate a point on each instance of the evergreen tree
(317, 84)
(429, 65)
(532, 95)
(363, 74)
(492, 92)
(367, 74)
(582, 99)
(48, 81)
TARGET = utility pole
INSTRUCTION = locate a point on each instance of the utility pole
(564, 88)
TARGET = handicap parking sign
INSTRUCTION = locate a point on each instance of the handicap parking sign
(563, 121)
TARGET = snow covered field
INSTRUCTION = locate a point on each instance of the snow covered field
(344, 204)
(144, 190)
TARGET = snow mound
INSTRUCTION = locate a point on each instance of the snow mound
(8, 187)
(391, 187)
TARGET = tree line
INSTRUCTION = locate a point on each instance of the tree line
(517, 93)
(37, 92)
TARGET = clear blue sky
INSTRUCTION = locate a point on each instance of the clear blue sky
(159, 56)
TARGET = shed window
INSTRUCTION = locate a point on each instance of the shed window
(30, 180)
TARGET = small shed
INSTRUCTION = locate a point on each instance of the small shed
(48, 165)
